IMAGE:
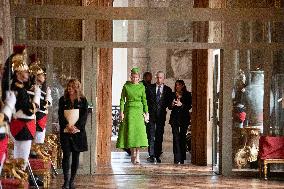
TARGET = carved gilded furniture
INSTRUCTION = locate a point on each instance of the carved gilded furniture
(46, 158)
(42, 167)
(13, 176)
(249, 149)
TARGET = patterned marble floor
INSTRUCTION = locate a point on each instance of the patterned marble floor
(123, 175)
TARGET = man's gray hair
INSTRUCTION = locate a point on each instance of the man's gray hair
(160, 72)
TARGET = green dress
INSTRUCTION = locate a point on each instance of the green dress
(132, 130)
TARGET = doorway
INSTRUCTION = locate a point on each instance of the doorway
(216, 57)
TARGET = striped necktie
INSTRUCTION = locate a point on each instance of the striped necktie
(158, 96)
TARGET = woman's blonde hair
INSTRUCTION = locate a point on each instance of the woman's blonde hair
(76, 85)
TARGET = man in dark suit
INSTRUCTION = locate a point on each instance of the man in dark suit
(147, 79)
(158, 99)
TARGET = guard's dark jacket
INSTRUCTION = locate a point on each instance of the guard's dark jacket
(23, 127)
(77, 141)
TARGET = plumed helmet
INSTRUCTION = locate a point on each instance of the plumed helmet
(19, 63)
(19, 49)
(35, 68)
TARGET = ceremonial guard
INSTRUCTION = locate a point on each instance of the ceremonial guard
(7, 74)
(23, 125)
(37, 77)
(5, 117)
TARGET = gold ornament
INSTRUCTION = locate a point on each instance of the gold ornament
(19, 63)
(35, 68)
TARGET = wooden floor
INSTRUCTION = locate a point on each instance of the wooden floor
(123, 175)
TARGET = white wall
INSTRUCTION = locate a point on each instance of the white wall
(119, 73)
(120, 3)
(119, 55)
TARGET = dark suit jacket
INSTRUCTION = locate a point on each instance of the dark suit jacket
(180, 114)
(157, 111)
(79, 140)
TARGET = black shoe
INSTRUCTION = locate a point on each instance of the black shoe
(151, 159)
(65, 187)
(128, 151)
(178, 162)
(72, 186)
(158, 160)
(38, 180)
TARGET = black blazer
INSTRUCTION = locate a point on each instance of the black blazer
(79, 140)
(180, 114)
(157, 111)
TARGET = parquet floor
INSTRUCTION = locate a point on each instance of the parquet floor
(123, 175)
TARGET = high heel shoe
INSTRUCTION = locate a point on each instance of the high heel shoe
(133, 157)
(137, 159)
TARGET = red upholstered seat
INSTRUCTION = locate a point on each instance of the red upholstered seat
(40, 164)
(271, 147)
(11, 183)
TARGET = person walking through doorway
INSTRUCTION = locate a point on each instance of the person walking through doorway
(159, 99)
(73, 138)
(147, 78)
(133, 105)
(180, 120)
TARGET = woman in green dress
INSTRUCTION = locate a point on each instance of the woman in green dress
(133, 115)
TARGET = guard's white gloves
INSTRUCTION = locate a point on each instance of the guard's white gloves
(10, 102)
(37, 96)
(48, 95)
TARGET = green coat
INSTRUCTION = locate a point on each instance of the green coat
(132, 130)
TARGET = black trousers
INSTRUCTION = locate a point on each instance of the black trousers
(155, 133)
(179, 142)
(66, 163)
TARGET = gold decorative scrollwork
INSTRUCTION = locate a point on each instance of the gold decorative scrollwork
(249, 152)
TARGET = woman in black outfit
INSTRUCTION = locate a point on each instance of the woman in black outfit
(73, 138)
(180, 120)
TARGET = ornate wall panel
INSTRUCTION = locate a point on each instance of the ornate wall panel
(5, 30)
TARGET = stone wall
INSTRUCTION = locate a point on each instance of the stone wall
(5, 30)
